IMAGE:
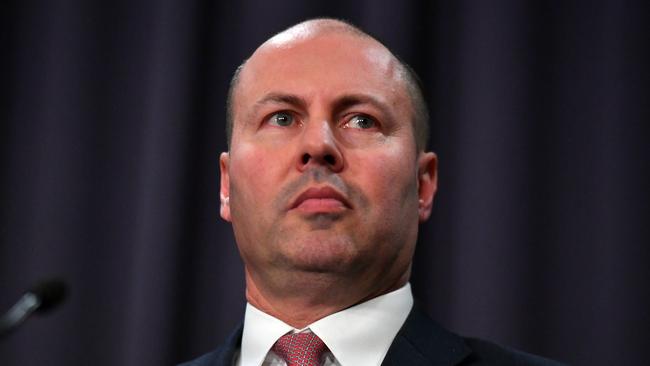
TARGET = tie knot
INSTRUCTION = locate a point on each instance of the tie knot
(300, 349)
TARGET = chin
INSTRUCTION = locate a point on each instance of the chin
(322, 254)
(322, 268)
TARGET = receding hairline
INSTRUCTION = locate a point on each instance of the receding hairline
(314, 28)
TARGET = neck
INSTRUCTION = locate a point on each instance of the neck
(318, 296)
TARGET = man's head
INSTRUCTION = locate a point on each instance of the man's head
(325, 182)
(420, 117)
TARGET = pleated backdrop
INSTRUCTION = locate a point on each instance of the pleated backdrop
(112, 119)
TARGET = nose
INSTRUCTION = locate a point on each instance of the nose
(318, 146)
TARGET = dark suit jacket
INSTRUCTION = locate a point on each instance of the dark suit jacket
(419, 342)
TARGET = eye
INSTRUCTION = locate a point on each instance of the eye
(281, 119)
(360, 121)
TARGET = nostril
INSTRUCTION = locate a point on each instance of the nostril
(329, 159)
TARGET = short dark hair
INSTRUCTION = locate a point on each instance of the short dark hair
(413, 86)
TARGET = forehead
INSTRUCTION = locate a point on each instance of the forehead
(322, 65)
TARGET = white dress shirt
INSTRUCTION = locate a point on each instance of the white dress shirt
(357, 336)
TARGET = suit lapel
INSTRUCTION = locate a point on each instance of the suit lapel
(421, 342)
(230, 347)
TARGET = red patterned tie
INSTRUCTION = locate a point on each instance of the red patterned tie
(300, 349)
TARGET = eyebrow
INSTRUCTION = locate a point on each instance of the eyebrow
(351, 100)
(340, 104)
(278, 98)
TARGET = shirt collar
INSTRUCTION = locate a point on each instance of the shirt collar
(261, 330)
(359, 335)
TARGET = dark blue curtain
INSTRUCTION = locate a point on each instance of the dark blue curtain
(111, 121)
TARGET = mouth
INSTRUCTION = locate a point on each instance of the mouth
(320, 200)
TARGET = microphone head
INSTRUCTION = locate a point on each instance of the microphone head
(50, 293)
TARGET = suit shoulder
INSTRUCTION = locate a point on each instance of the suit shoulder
(207, 359)
(486, 353)
(218, 357)
(224, 355)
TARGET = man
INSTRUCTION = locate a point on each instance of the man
(326, 180)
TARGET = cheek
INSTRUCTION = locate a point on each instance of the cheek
(247, 177)
(255, 175)
(390, 220)
(388, 174)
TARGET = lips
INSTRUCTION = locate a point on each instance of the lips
(320, 200)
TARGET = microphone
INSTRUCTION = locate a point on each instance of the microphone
(42, 298)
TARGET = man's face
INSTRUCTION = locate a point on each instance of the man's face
(323, 175)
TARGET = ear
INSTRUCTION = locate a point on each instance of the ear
(427, 183)
(224, 192)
